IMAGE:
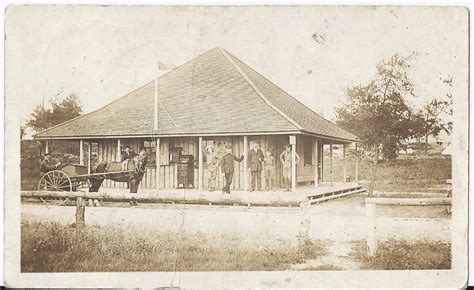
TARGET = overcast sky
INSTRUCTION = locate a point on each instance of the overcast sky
(313, 53)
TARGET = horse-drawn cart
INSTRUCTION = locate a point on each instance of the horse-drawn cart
(72, 177)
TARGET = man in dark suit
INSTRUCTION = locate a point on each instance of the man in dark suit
(46, 165)
(227, 167)
(255, 158)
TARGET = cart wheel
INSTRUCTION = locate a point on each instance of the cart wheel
(55, 180)
(82, 185)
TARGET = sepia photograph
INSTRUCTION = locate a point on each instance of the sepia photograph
(239, 146)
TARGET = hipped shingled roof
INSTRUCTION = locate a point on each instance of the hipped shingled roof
(213, 94)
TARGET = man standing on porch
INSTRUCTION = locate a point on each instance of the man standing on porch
(227, 167)
(285, 158)
(255, 159)
(212, 163)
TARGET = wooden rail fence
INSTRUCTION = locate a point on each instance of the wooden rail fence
(82, 197)
(371, 214)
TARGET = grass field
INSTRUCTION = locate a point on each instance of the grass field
(49, 247)
(423, 173)
(404, 255)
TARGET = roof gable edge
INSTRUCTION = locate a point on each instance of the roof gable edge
(254, 87)
(90, 113)
(300, 103)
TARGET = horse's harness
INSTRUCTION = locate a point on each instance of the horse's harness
(139, 161)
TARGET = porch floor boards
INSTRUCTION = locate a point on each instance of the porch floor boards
(277, 197)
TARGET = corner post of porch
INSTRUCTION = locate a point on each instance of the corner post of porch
(158, 163)
(81, 152)
(200, 169)
(321, 161)
(46, 147)
(293, 162)
(89, 158)
(344, 162)
(356, 163)
(246, 177)
(330, 162)
(316, 165)
(118, 149)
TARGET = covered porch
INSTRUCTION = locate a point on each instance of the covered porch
(314, 169)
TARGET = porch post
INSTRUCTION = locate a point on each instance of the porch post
(89, 158)
(357, 164)
(118, 149)
(344, 160)
(157, 166)
(200, 170)
(46, 148)
(330, 163)
(293, 162)
(321, 160)
(316, 167)
(246, 151)
(81, 152)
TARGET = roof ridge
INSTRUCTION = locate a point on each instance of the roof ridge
(278, 87)
(255, 88)
(116, 100)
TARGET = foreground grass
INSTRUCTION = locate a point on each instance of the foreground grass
(404, 255)
(50, 247)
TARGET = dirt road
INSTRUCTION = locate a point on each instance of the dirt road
(336, 221)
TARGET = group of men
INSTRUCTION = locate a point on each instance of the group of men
(257, 162)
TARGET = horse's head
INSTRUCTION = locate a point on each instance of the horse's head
(141, 161)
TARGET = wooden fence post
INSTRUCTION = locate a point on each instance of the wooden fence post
(80, 212)
(305, 223)
(371, 214)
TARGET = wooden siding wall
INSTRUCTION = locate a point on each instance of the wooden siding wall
(107, 150)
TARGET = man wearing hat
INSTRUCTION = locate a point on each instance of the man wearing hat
(212, 163)
(255, 158)
(227, 167)
(127, 154)
(46, 166)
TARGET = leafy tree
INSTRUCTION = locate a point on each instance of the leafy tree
(436, 116)
(378, 113)
(60, 111)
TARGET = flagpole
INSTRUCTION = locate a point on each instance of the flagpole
(155, 124)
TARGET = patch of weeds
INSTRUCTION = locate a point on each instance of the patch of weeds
(404, 255)
(52, 247)
(310, 249)
(324, 267)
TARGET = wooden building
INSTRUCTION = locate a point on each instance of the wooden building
(212, 99)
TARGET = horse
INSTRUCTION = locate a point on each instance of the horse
(133, 174)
